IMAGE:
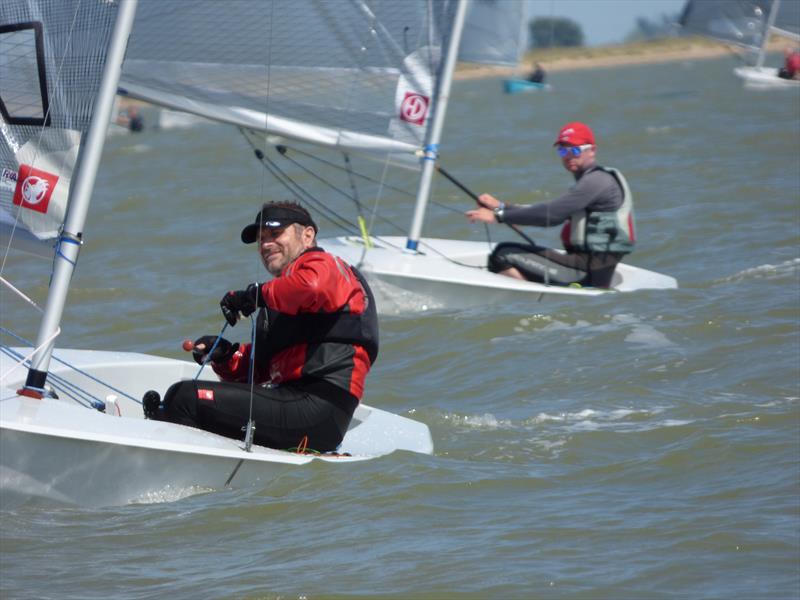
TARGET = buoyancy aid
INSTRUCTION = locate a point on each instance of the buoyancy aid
(276, 331)
(606, 231)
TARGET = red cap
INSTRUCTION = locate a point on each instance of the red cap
(575, 134)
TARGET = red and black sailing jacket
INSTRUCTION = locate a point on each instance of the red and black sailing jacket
(320, 326)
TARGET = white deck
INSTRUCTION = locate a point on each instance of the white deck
(451, 274)
(764, 77)
(61, 450)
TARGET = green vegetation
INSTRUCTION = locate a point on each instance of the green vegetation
(550, 32)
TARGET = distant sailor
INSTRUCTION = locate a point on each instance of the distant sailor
(596, 214)
(791, 64)
(316, 339)
(538, 75)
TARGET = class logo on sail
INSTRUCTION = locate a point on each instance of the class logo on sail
(414, 108)
(8, 179)
(34, 188)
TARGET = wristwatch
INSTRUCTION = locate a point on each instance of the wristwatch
(499, 212)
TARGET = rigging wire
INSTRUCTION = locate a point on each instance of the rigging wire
(320, 206)
(296, 189)
(54, 378)
(284, 149)
(286, 180)
(353, 227)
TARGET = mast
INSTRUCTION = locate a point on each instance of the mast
(82, 186)
(762, 51)
(435, 132)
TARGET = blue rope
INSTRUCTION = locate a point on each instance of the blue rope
(59, 384)
(63, 240)
(60, 379)
(213, 347)
(431, 152)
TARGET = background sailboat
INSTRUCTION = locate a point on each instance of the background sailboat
(747, 24)
(343, 81)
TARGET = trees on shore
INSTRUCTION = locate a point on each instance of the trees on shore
(549, 32)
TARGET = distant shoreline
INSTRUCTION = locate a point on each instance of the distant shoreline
(639, 53)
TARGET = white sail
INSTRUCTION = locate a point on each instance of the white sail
(746, 23)
(495, 32)
(357, 74)
(743, 23)
(787, 19)
(45, 108)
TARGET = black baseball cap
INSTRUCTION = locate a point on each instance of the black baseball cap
(277, 215)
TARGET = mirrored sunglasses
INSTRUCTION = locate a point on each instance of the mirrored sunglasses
(563, 151)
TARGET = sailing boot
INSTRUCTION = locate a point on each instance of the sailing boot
(151, 404)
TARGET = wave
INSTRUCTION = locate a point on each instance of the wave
(641, 332)
(767, 271)
(588, 419)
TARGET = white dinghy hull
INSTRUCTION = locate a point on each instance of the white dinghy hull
(764, 77)
(451, 274)
(63, 451)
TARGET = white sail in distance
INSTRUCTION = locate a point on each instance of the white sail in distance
(495, 32)
(744, 23)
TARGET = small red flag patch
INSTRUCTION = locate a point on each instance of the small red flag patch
(205, 394)
(34, 188)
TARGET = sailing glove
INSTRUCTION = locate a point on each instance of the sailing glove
(241, 301)
(223, 351)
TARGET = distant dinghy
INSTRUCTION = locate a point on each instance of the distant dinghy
(516, 86)
(747, 24)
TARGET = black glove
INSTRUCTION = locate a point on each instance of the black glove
(221, 353)
(241, 301)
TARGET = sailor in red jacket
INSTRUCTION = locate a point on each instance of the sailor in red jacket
(316, 338)
(791, 64)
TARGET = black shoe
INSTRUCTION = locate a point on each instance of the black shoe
(151, 403)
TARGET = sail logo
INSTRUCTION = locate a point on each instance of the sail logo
(34, 188)
(8, 179)
(414, 108)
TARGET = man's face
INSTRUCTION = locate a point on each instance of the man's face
(279, 246)
(579, 163)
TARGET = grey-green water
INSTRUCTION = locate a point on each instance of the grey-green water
(643, 445)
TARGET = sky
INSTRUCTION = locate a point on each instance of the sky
(604, 21)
